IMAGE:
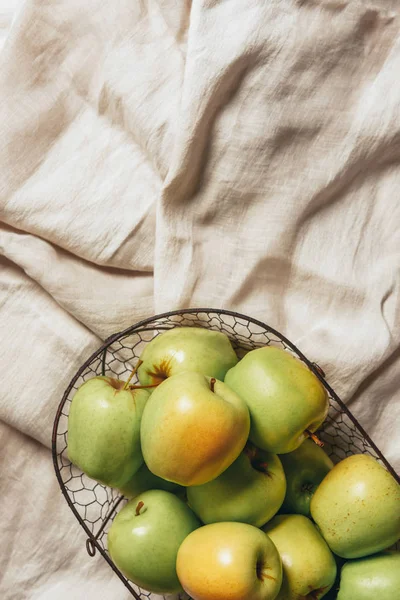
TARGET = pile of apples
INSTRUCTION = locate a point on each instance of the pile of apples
(232, 495)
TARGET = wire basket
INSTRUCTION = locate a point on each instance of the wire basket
(95, 505)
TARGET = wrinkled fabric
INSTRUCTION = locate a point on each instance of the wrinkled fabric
(156, 155)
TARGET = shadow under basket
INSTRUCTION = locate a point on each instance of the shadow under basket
(95, 505)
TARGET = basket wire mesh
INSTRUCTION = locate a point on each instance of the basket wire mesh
(94, 504)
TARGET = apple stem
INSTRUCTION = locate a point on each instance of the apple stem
(212, 383)
(255, 461)
(262, 466)
(315, 594)
(143, 387)
(314, 438)
(140, 362)
(250, 450)
(261, 572)
(139, 508)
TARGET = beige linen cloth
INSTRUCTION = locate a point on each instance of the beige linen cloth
(242, 154)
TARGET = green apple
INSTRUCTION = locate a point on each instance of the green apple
(374, 577)
(357, 507)
(104, 430)
(229, 561)
(287, 402)
(304, 469)
(186, 349)
(145, 537)
(144, 480)
(193, 428)
(309, 568)
(251, 490)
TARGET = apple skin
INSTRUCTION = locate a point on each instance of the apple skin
(190, 434)
(104, 430)
(229, 561)
(304, 469)
(374, 577)
(186, 349)
(309, 567)
(144, 546)
(284, 398)
(357, 507)
(251, 490)
(144, 480)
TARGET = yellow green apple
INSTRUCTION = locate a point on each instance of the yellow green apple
(104, 430)
(193, 428)
(309, 568)
(251, 490)
(145, 537)
(374, 577)
(144, 480)
(357, 507)
(186, 349)
(229, 561)
(287, 402)
(304, 469)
